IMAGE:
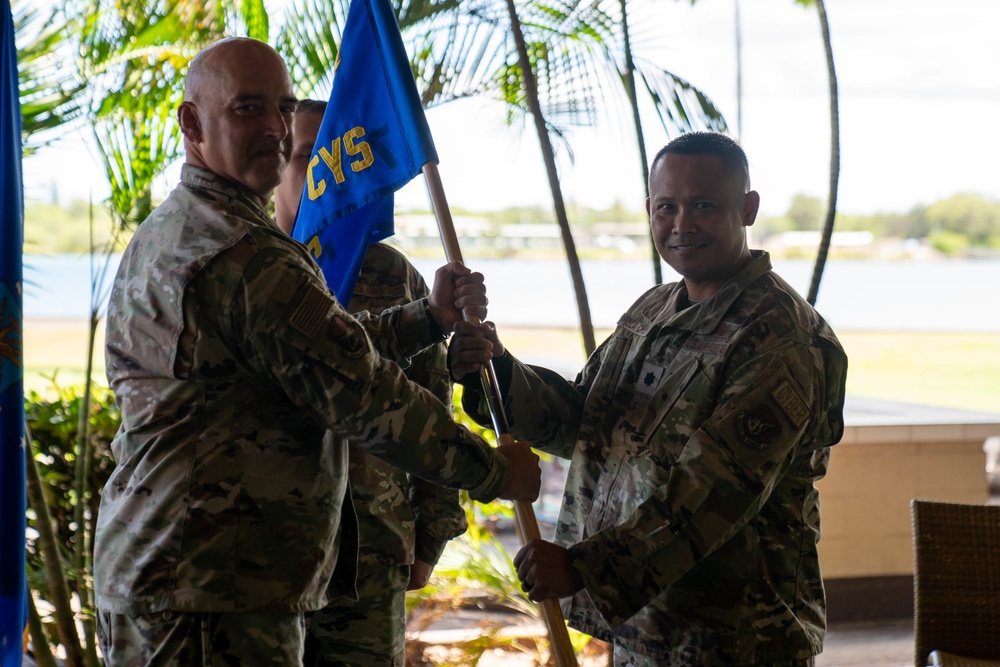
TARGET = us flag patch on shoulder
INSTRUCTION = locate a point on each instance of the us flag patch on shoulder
(791, 403)
(310, 313)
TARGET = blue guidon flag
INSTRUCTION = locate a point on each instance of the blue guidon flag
(373, 140)
(13, 502)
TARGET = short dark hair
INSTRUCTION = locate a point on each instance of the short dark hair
(310, 106)
(709, 143)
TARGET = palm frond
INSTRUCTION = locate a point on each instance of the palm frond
(135, 149)
(452, 56)
(50, 92)
(680, 106)
(310, 43)
(254, 17)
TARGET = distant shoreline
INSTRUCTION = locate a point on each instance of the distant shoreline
(537, 293)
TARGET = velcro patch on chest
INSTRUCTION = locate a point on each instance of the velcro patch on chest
(649, 378)
(638, 327)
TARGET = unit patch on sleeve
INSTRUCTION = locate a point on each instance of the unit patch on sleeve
(351, 337)
(757, 426)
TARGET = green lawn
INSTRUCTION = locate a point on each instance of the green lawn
(59, 348)
(952, 370)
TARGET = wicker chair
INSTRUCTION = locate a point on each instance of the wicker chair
(956, 584)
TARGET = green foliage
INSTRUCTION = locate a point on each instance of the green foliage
(50, 228)
(53, 421)
(953, 226)
(255, 17)
(50, 91)
(949, 243)
(134, 56)
(770, 226)
(881, 225)
(462, 417)
(968, 214)
(806, 213)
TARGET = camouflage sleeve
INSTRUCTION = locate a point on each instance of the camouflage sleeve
(291, 330)
(542, 407)
(726, 471)
(401, 331)
(437, 511)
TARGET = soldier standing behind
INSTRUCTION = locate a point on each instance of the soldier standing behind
(404, 522)
(230, 359)
(689, 522)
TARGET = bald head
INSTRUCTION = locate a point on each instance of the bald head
(237, 112)
(205, 67)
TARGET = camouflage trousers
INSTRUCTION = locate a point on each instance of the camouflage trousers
(368, 633)
(626, 658)
(200, 639)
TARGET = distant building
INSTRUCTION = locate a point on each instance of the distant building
(809, 240)
(480, 232)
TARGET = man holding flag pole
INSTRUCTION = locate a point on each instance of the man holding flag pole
(696, 432)
(13, 501)
(230, 359)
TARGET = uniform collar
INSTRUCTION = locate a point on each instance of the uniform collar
(202, 179)
(704, 317)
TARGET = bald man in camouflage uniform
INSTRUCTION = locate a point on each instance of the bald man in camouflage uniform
(689, 522)
(230, 359)
(404, 522)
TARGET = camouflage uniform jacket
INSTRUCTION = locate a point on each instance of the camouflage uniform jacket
(400, 516)
(696, 433)
(229, 360)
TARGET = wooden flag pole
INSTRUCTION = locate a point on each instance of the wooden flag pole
(527, 524)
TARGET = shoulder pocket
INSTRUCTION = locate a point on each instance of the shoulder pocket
(765, 423)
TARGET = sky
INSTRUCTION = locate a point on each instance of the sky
(919, 84)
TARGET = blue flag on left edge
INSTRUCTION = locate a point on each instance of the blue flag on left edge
(13, 501)
(372, 141)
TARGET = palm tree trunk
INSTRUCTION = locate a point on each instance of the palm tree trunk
(831, 210)
(640, 139)
(81, 555)
(58, 587)
(84, 525)
(739, 68)
(39, 640)
(531, 91)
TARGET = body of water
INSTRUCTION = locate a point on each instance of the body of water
(943, 295)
